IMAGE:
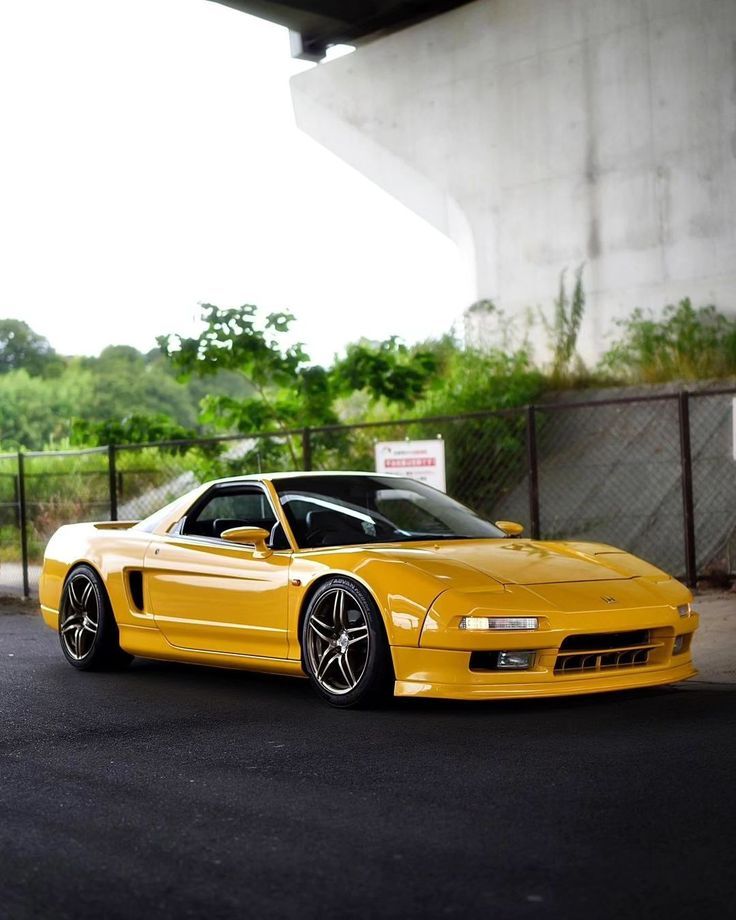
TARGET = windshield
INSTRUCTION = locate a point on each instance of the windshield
(349, 510)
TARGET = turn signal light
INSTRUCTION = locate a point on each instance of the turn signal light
(684, 610)
(499, 623)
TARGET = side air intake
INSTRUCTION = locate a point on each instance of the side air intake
(135, 588)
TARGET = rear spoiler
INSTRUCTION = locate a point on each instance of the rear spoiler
(114, 525)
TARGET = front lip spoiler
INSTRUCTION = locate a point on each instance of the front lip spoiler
(552, 688)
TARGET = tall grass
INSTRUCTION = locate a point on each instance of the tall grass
(686, 343)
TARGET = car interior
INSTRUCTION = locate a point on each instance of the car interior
(235, 508)
(312, 526)
(325, 527)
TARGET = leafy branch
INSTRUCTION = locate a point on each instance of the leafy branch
(288, 391)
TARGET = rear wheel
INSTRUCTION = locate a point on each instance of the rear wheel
(87, 629)
(344, 645)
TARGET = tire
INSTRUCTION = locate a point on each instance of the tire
(345, 653)
(88, 632)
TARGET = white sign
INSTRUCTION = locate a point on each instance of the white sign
(420, 460)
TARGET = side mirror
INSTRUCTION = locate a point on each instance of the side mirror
(250, 536)
(510, 528)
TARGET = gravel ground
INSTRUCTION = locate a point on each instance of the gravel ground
(714, 648)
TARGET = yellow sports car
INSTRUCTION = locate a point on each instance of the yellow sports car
(367, 584)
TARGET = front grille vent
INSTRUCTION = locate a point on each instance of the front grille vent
(603, 651)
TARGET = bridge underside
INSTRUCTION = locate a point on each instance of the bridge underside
(318, 24)
(542, 136)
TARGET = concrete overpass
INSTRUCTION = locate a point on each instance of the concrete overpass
(315, 25)
(542, 134)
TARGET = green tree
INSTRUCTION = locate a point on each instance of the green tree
(35, 412)
(470, 380)
(23, 349)
(485, 456)
(137, 428)
(125, 383)
(47, 404)
(288, 391)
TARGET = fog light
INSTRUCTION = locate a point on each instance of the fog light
(499, 623)
(684, 610)
(515, 661)
(679, 645)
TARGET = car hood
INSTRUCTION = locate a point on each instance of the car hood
(525, 562)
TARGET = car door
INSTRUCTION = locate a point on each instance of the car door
(211, 595)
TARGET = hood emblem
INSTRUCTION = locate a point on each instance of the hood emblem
(607, 599)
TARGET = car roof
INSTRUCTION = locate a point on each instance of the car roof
(293, 474)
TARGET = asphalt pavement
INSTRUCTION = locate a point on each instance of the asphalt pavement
(176, 791)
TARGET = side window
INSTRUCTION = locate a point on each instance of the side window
(228, 508)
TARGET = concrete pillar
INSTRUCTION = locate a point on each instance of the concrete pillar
(541, 134)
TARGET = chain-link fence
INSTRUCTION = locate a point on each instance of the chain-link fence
(61, 488)
(11, 562)
(653, 474)
(612, 473)
(713, 445)
(485, 453)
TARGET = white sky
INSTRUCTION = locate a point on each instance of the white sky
(149, 161)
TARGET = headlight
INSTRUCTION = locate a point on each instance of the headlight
(499, 623)
(684, 610)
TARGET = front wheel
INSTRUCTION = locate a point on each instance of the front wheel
(87, 629)
(344, 647)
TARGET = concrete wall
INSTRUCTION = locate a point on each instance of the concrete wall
(539, 134)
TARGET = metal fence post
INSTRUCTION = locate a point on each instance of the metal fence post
(23, 518)
(113, 481)
(307, 448)
(688, 508)
(532, 471)
(16, 500)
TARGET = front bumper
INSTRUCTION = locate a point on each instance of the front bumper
(445, 675)
(445, 672)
